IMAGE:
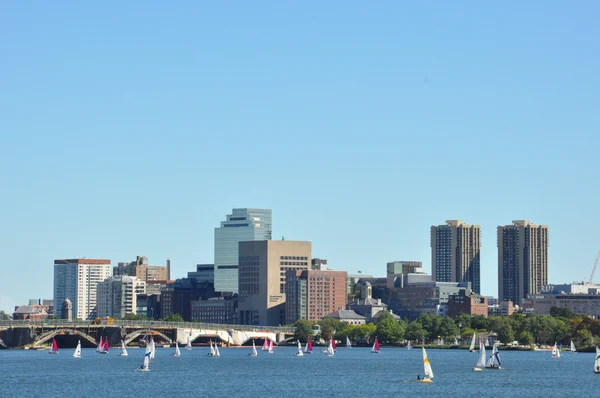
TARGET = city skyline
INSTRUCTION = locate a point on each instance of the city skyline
(355, 123)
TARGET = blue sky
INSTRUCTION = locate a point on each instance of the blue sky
(132, 129)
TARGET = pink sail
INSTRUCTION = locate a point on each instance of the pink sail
(106, 345)
(101, 345)
(309, 348)
(333, 344)
(376, 346)
(271, 345)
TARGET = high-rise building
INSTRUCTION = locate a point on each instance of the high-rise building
(312, 294)
(203, 273)
(240, 226)
(319, 264)
(262, 283)
(141, 270)
(455, 253)
(77, 280)
(522, 260)
(117, 296)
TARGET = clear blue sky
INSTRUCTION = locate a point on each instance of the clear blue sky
(132, 128)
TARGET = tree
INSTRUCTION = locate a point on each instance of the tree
(4, 316)
(525, 337)
(584, 338)
(304, 330)
(414, 331)
(448, 329)
(558, 312)
(173, 318)
(135, 317)
(431, 324)
(390, 331)
(363, 332)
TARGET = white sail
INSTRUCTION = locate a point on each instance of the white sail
(306, 347)
(409, 346)
(555, 351)
(427, 365)
(146, 362)
(299, 353)
(217, 353)
(152, 348)
(597, 361)
(188, 346)
(494, 359)
(270, 346)
(481, 361)
(100, 347)
(177, 352)
(212, 349)
(123, 349)
(77, 353)
(330, 350)
(254, 352)
(348, 344)
(472, 347)
(487, 342)
(573, 349)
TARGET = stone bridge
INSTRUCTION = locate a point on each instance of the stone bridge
(33, 334)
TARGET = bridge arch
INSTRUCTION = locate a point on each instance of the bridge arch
(41, 339)
(136, 333)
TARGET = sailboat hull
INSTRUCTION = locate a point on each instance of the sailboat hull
(493, 367)
(476, 369)
(374, 352)
(426, 380)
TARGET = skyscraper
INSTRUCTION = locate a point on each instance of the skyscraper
(77, 280)
(241, 225)
(522, 260)
(455, 252)
(117, 296)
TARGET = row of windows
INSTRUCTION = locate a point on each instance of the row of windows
(304, 263)
(293, 258)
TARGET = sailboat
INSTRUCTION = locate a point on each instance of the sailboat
(494, 359)
(472, 347)
(265, 346)
(597, 361)
(54, 347)
(572, 348)
(254, 353)
(555, 351)
(145, 367)
(375, 349)
(217, 353)
(427, 367)
(333, 345)
(177, 353)
(270, 347)
(481, 361)
(487, 342)
(308, 348)
(100, 347)
(299, 353)
(123, 350)
(455, 341)
(152, 348)
(105, 348)
(348, 344)
(212, 350)
(409, 346)
(188, 346)
(330, 351)
(77, 353)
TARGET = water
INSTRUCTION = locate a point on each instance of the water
(353, 372)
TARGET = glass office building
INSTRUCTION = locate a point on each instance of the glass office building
(240, 226)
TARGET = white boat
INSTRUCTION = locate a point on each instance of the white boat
(494, 362)
(212, 350)
(188, 346)
(480, 365)
(254, 353)
(597, 361)
(145, 367)
(330, 350)
(572, 348)
(270, 346)
(427, 369)
(375, 349)
(217, 353)
(77, 353)
(123, 352)
(472, 347)
(177, 353)
(299, 353)
(348, 344)
(409, 346)
(555, 351)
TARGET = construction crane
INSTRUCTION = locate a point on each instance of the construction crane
(595, 265)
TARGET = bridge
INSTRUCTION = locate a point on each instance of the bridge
(32, 334)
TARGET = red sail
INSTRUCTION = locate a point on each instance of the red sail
(333, 344)
(106, 345)
(309, 348)
(376, 344)
(54, 345)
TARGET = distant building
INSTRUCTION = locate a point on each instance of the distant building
(348, 316)
(47, 304)
(203, 273)
(318, 264)
(455, 253)
(34, 313)
(367, 306)
(176, 298)
(148, 305)
(77, 280)
(67, 310)
(262, 282)
(505, 308)
(312, 294)
(221, 310)
(241, 225)
(572, 288)
(117, 296)
(404, 267)
(470, 304)
(584, 304)
(142, 270)
(353, 279)
(522, 260)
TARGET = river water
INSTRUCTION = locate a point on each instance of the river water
(352, 372)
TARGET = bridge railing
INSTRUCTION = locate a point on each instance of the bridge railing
(148, 324)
